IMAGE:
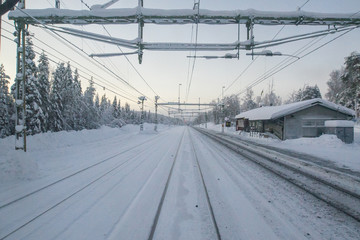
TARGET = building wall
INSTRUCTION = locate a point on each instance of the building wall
(310, 122)
(275, 127)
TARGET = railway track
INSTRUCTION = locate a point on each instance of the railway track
(73, 193)
(165, 191)
(337, 189)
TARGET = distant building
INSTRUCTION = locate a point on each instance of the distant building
(294, 120)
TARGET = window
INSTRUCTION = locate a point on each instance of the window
(313, 123)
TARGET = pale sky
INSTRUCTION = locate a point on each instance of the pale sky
(164, 71)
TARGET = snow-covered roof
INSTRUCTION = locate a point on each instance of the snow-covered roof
(274, 112)
(339, 123)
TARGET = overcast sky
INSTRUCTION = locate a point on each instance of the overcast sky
(164, 71)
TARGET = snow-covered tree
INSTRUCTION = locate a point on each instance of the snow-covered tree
(90, 114)
(231, 106)
(56, 120)
(35, 116)
(248, 102)
(115, 108)
(306, 93)
(293, 97)
(335, 86)
(351, 81)
(44, 89)
(310, 92)
(78, 123)
(270, 98)
(68, 99)
(5, 104)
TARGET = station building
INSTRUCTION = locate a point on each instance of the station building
(294, 120)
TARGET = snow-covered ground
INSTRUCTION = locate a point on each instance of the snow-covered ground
(118, 198)
(327, 147)
(48, 151)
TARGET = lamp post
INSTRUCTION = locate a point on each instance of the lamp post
(156, 107)
(222, 110)
(179, 96)
(142, 99)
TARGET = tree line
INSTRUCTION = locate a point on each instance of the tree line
(55, 101)
(343, 89)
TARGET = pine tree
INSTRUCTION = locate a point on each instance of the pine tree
(232, 106)
(119, 109)
(35, 117)
(310, 92)
(90, 114)
(270, 98)
(56, 98)
(351, 81)
(5, 104)
(68, 99)
(44, 89)
(248, 101)
(115, 109)
(78, 102)
(335, 86)
(103, 104)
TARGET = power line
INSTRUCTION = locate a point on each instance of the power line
(252, 62)
(92, 73)
(82, 76)
(196, 39)
(131, 64)
(67, 42)
(289, 64)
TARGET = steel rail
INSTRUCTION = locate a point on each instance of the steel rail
(323, 183)
(75, 173)
(117, 166)
(206, 190)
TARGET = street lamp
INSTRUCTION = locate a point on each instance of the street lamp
(142, 99)
(156, 107)
(179, 96)
(222, 109)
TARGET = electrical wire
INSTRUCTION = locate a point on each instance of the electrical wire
(196, 39)
(131, 64)
(72, 60)
(74, 48)
(289, 64)
(82, 76)
(252, 62)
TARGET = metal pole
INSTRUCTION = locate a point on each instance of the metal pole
(142, 99)
(24, 84)
(156, 117)
(222, 110)
(179, 96)
(140, 32)
(142, 115)
(20, 105)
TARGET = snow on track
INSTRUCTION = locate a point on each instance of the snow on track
(119, 198)
(186, 213)
(252, 201)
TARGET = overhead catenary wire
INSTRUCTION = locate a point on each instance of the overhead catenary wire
(91, 73)
(285, 63)
(80, 75)
(289, 64)
(74, 47)
(128, 60)
(196, 39)
(252, 62)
